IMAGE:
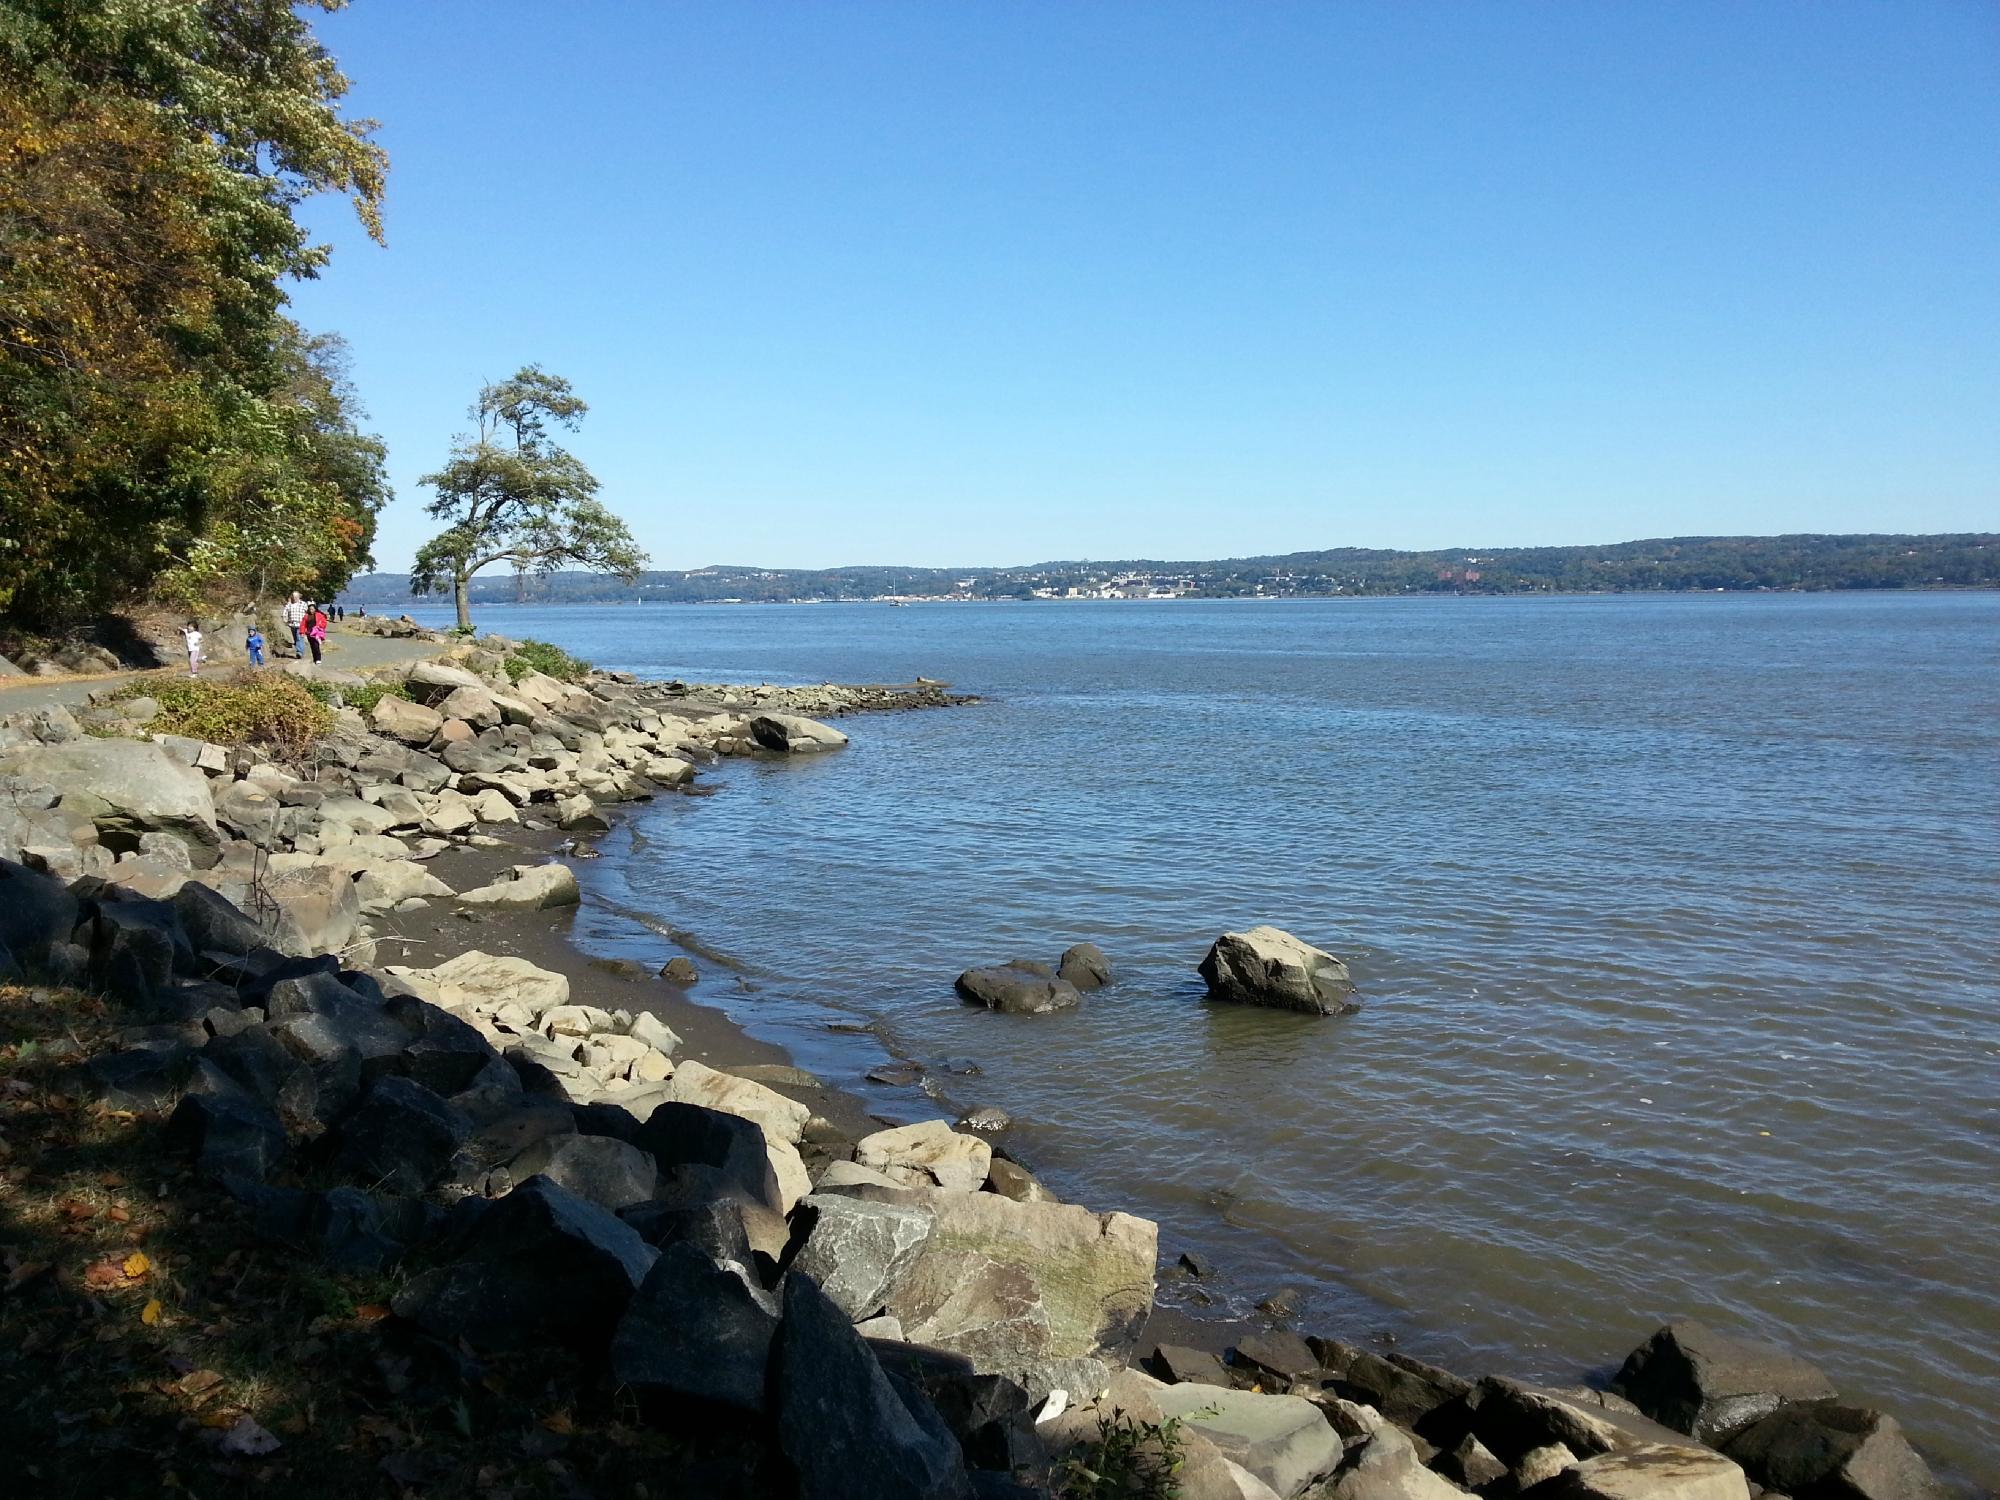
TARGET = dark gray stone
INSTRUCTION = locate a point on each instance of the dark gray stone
(1084, 966)
(694, 1329)
(1404, 1390)
(1022, 988)
(845, 1428)
(139, 1078)
(1179, 1365)
(398, 1135)
(213, 923)
(36, 913)
(687, 1134)
(540, 1266)
(1709, 1385)
(226, 1137)
(715, 1227)
(133, 948)
(1276, 1352)
(1822, 1450)
(444, 1053)
(610, 1173)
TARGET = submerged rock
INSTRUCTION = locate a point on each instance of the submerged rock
(1084, 966)
(1268, 966)
(1021, 988)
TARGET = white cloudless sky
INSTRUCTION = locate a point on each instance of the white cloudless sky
(951, 284)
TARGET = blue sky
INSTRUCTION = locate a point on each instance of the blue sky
(954, 283)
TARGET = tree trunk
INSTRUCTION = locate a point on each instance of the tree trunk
(462, 598)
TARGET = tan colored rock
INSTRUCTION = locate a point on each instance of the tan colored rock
(490, 979)
(529, 888)
(400, 719)
(782, 1119)
(927, 1154)
(1653, 1471)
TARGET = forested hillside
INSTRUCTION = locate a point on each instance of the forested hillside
(1682, 563)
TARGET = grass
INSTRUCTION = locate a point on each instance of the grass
(363, 698)
(552, 661)
(141, 1323)
(272, 710)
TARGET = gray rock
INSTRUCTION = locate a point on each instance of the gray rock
(1268, 966)
(857, 1251)
(528, 888)
(848, 1432)
(1822, 1450)
(1084, 966)
(792, 734)
(1283, 1440)
(1021, 988)
(1179, 1365)
(1403, 1389)
(697, 1330)
(716, 1226)
(1709, 1385)
(610, 1173)
(1276, 1352)
(680, 970)
(36, 912)
(440, 678)
(1471, 1464)
(543, 1267)
(1013, 1181)
(1512, 1418)
(126, 788)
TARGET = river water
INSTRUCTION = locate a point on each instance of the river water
(1675, 920)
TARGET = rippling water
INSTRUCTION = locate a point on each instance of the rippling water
(1675, 919)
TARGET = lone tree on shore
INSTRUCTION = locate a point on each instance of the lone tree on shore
(511, 495)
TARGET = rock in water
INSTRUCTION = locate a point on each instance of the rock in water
(1823, 1449)
(1709, 1385)
(845, 1428)
(795, 735)
(1268, 966)
(1084, 966)
(1020, 988)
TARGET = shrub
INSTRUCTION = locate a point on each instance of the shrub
(363, 699)
(1131, 1460)
(552, 661)
(270, 709)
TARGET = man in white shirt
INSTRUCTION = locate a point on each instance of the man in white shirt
(295, 619)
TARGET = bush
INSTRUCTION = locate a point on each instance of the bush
(551, 661)
(271, 709)
(363, 699)
(1131, 1460)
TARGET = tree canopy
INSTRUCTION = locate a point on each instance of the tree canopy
(162, 425)
(511, 494)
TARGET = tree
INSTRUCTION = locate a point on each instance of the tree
(152, 158)
(512, 495)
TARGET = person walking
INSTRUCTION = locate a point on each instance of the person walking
(295, 619)
(254, 644)
(315, 628)
(191, 633)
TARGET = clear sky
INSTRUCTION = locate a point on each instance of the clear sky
(960, 283)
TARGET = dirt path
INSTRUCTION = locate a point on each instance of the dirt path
(345, 650)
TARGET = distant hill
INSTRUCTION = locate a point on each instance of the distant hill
(1674, 564)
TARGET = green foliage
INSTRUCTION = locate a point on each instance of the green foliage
(552, 661)
(1131, 1460)
(509, 494)
(160, 421)
(272, 710)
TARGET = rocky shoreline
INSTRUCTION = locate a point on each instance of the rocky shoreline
(337, 991)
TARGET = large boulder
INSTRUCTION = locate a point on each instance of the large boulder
(399, 1135)
(696, 1329)
(1652, 1471)
(1709, 1385)
(610, 1173)
(792, 734)
(1822, 1450)
(542, 1266)
(437, 678)
(528, 888)
(782, 1119)
(475, 978)
(849, 1433)
(126, 788)
(858, 1250)
(318, 908)
(1268, 966)
(1019, 1287)
(927, 1154)
(681, 1135)
(36, 912)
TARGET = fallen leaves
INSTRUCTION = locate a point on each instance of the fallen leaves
(248, 1440)
(137, 1264)
(150, 1314)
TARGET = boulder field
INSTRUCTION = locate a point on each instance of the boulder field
(906, 1314)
